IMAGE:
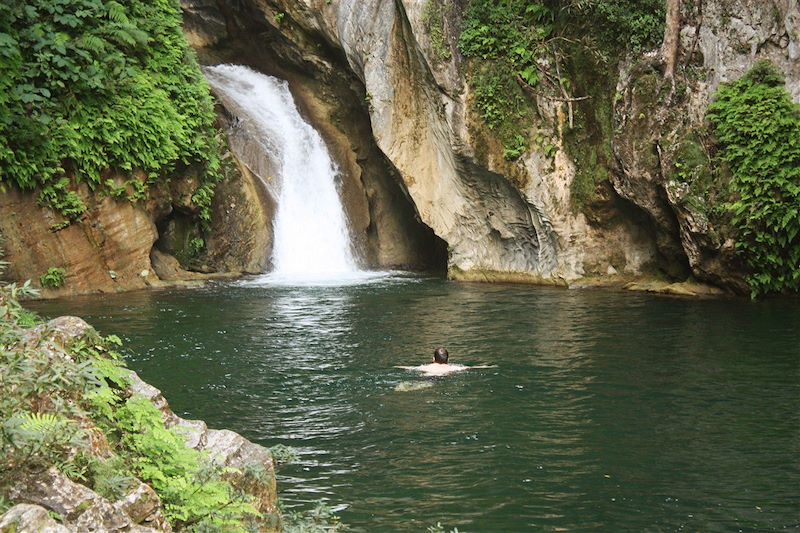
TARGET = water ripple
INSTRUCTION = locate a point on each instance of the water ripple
(606, 411)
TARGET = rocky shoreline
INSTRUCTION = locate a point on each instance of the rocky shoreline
(49, 500)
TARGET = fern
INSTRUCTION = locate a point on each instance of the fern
(758, 127)
(187, 484)
(93, 44)
(88, 89)
(42, 423)
(116, 12)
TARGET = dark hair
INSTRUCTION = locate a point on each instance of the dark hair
(440, 355)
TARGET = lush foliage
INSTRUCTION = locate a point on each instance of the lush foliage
(758, 128)
(191, 488)
(633, 25)
(49, 393)
(54, 278)
(523, 44)
(91, 87)
(508, 37)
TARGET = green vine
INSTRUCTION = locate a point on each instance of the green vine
(758, 128)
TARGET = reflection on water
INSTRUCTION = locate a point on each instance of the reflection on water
(606, 411)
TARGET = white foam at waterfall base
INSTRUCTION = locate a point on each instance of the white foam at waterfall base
(312, 243)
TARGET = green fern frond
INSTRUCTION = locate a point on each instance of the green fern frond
(141, 37)
(93, 43)
(126, 35)
(42, 422)
(116, 12)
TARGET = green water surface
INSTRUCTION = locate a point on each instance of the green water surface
(606, 412)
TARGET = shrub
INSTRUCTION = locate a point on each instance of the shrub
(190, 487)
(758, 129)
(54, 278)
(95, 86)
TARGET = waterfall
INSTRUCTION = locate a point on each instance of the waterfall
(311, 238)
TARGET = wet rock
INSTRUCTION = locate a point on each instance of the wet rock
(27, 518)
(168, 268)
(686, 288)
(255, 470)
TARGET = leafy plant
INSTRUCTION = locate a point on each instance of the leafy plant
(190, 487)
(54, 278)
(5, 504)
(93, 87)
(196, 246)
(758, 129)
(284, 454)
(45, 397)
(110, 477)
(321, 519)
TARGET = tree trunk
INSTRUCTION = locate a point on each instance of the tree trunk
(672, 37)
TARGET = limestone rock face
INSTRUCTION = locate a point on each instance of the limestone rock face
(419, 120)
(734, 34)
(107, 250)
(385, 225)
(81, 509)
(660, 135)
(241, 227)
(515, 219)
(55, 492)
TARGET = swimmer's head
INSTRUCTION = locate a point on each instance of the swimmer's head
(440, 356)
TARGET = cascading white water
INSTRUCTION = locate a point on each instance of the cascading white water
(311, 238)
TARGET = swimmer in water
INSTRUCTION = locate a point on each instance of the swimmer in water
(440, 366)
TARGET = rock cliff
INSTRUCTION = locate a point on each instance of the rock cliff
(425, 183)
(661, 139)
(118, 245)
(514, 219)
